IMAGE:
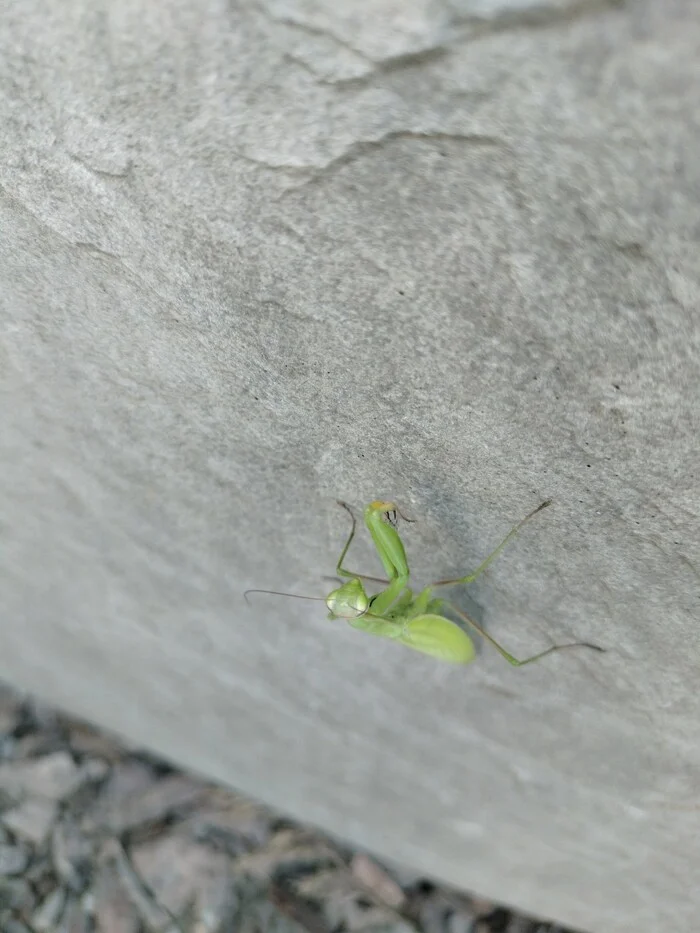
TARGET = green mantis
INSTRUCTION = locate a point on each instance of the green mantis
(416, 621)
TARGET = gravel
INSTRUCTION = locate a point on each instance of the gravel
(99, 838)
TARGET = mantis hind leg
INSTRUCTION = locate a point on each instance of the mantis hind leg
(506, 654)
(494, 554)
(339, 569)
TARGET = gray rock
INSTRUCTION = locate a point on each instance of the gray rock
(180, 872)
(32, 820)
(227, 821)
(153, 915)
(16, 895)
(72, 854)
(114, 911)
(75, 918)
(257, 256)
(16, 926)
(51, 776)
(155, 802)
(13, 859)
(46, 917)
(127, 781)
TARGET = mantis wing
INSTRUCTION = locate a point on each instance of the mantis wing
(438, 637)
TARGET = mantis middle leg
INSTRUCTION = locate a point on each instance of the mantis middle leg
(485, 564)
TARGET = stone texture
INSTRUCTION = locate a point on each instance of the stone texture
(113, 908)
(190, 856)
(47, 916)
(179, 872)
(51, 777)
(32, 819)
(13, 859)
(155, 803)
(255, 257)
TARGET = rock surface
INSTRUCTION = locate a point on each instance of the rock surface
(255, 257)
(212, 862)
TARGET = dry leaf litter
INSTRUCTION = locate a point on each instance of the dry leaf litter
(96, 837)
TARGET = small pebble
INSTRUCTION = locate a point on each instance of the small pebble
(13, 859)
(15, 926)
(32, 819)
(16, 894)
(46, 917)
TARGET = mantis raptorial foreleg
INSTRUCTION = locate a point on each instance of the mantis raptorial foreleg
(339, 569)
(381, 519)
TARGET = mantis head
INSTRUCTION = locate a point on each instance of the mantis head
(387, 512)
(349, 601)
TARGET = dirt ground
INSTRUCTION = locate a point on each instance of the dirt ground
(97, 837)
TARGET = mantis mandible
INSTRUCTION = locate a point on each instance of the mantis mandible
(418, 622)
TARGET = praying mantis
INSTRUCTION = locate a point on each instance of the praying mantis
(395, 613)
